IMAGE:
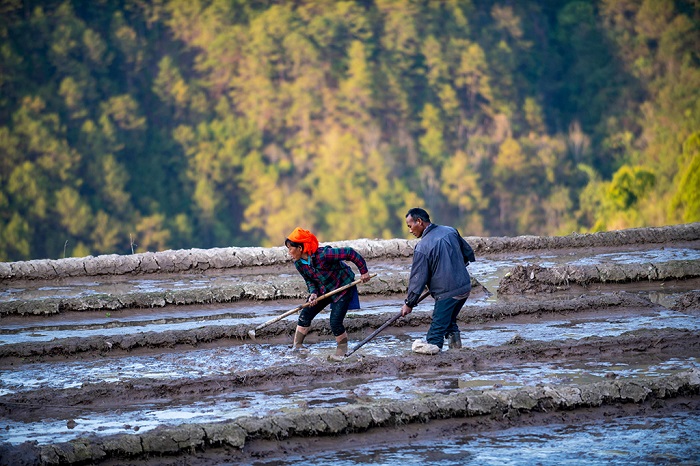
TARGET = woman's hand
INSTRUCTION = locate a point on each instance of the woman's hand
(313, 299)
(365, 277)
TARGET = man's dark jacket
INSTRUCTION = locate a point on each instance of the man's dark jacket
(439, 261)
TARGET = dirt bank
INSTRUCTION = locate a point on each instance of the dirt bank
(360, 418)
(538, 279)
(130, 342)
(202, 260)
(103, 395)
(238, 288)
(146, 359)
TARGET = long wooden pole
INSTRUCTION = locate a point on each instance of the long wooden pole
(384, 325)
(251, 333)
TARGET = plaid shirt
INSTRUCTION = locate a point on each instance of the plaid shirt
(327, 271)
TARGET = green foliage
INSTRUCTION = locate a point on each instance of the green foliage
(686, 201)
(198, 123)
(629, 185)
(74, 214)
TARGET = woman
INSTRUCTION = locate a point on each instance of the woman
(324, 271)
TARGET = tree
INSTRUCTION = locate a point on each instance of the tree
(629, 185)
(432, 141)
(273, 207)
(74, 213)
(686, 201)
(473, 79)
(508, 170)
(355, 92)
(210, 122)
(461, 187)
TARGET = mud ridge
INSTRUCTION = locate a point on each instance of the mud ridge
(105, 395)
(262, 288)
(538, 279)
(150, 341)
(476, 313)
(202, 260)
(688, 302)
(129, 342)
(185, 439)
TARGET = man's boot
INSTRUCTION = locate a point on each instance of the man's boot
(299, 337)
(454, 339)
(423, 347)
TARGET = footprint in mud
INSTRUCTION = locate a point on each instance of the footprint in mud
(562, 380)
(299, 353)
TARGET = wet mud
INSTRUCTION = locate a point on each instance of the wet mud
(175, 292)
(202, 260)
(146, 359)
(538, 279)
(490, 404)
(303, 371)
(130, 342)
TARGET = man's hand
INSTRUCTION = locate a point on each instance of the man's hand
(313, 299)
(405, 310)
(365, 277)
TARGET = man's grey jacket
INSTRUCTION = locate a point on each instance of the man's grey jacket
(439, 261)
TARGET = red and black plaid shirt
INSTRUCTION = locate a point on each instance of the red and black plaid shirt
(327, 271)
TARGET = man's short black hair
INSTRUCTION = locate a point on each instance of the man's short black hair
(417, 212)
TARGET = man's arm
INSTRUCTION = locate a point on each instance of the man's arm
(420, 273)
(467, 251)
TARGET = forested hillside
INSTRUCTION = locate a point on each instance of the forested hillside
(139, 125)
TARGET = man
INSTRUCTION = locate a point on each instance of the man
(439, 261)
(324, 270)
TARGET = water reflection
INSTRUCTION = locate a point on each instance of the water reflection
(631, 440)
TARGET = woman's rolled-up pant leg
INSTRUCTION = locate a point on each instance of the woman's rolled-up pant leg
(339, 309)
(307, 314)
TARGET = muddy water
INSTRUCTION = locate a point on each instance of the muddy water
(247, 356)
(488, 271)
(232, 358)
(146, 416)
(629, 440)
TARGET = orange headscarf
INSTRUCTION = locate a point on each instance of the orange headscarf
(305, 237)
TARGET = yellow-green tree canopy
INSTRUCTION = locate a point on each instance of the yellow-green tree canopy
(135, 126)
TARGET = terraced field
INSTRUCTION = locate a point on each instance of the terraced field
(583, 347)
